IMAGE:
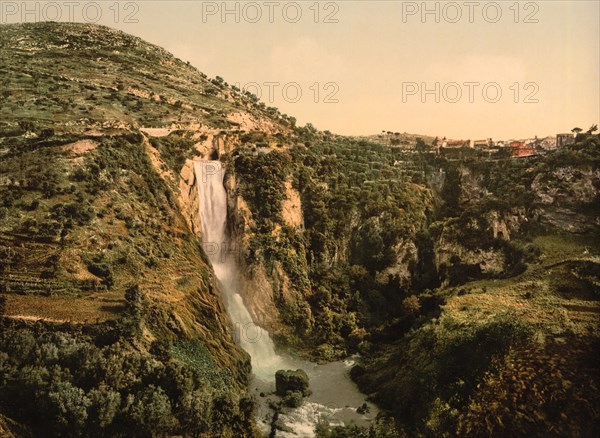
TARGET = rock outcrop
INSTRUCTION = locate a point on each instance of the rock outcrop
(563, 194)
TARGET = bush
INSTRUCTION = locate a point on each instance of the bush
(174, 149)
(151, 413)
(432, 373)
(411, 305)
(102, 269)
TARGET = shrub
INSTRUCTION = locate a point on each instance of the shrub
(151, 411)
(100, 267)
(85, 386)
(411, 304)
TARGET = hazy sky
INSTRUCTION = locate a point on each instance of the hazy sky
(362, 66)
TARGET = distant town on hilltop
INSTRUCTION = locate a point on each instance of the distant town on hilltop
(518, 148)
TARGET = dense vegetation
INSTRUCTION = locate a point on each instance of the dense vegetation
(466, 279)
(94, 381)
(362, 203)
(84, 221)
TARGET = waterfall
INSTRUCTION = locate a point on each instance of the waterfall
(222, 255)
(334, 396)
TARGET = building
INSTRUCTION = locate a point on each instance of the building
(564, 139)
(521, 149)
(548, 143)
(532, 143)
(483, 144)
(446, 143)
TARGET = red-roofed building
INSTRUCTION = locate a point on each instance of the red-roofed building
(519, 149)
(455, 143)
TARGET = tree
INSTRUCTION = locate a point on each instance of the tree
(150, 409)
(104, 406)
(368, 247)
(69, 406)
(196, 412)
(310, 128)
(134, 300)
(411, 305)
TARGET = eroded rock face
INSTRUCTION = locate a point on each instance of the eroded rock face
(562, 194)
(506, 224)
(265, 290)
(291, 209)
(189, 197)
(256, 287)
(472, 186)
(258, 295)
(338, 251)
(406, 257)
(449, 251)
(191, 309)
(487, 259)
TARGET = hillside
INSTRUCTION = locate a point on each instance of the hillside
(458, 277)
(100, 271)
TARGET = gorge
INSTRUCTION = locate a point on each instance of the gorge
(168, 242)
(334, 398)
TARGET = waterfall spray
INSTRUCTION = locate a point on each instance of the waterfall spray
(217, 245)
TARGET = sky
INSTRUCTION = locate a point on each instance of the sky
(463, 70)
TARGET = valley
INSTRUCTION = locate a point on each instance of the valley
(168, 243)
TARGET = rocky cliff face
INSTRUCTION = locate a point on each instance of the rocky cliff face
(562, 198)
(405, 260)
(257, 287)
(561, 195)
(189, 198)
(268, 288)
(472, 187)
(262, 286)
(291, 210)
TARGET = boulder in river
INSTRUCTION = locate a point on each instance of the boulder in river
(290, 380)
